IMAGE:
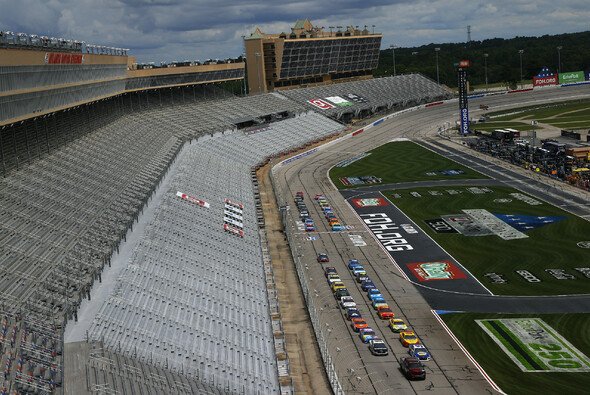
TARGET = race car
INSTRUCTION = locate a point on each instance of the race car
(347, 302)
(353, 263)
(359, 271)
(358, 324)
(385, 313)
(397, 325)
(367, 284)
(419, 351)
(337, 228)
(333, 278)
(341, 293)
(362, 279)
(309, 228)
(318, 196)
(337, 285)
(378, 347)
(408, 337)
(366, 334)
(330, 270)
(352, 313)
(379, 302)
(323, 258)
(412, 368)
(374, 293)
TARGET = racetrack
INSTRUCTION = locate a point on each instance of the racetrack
(451, 371)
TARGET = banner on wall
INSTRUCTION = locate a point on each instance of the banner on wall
(572, 77)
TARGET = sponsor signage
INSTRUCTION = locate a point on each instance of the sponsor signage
(321, 104)
(191, 199)
(362, 180)
(545, 81)
(63, 58)
(571, 77)
(583, 244)
(370, 202)
(496, 278)
(560, 274)
(585, 271)
(387, 232)
(463, 103)
(346, 162)
(440, 226)
(357, 240)
(528, 276)
(527, 199)
(339, 101)
(440, 270)
(356, 98)
(534, 346)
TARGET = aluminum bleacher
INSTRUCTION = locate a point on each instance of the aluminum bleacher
(193, 297)
(372, 96)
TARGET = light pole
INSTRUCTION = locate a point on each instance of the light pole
(520, 52)
(373, 26)
(257, 54)
(436, 50)
(485, 62)
(393, 47)
(559, 59)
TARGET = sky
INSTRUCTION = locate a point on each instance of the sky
(168, 30)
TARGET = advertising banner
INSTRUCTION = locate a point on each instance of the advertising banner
(440, 270)
(63, 58)
(463, 106)
(545, 81)
(572, 77)
(321, 104)
(339, 101)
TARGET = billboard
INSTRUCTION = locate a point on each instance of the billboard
(463, 110)
(545, 81)
(572, 77)
(321, 104)
(339, 101)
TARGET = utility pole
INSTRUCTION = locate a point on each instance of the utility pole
(436, 50)
(520, 52)
(468, 33)
(485, 62)
(393, 47)
(559, 59)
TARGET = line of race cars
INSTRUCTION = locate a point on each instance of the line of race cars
(411, 366)
(304, 213)
(333, 221)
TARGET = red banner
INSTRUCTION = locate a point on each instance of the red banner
(63, 58)
(546, 81)
(321, 104)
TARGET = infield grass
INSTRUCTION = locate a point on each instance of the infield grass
(551, 246)
(401, 161)
(511, 379)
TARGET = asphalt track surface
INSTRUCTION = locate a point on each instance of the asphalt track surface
(450, 371)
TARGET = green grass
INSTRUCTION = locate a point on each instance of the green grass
(401, 161)
(552, 246)
(556, 114)
(504, 372)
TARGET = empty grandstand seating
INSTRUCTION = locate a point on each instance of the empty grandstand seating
(380, 94)
(193, 297)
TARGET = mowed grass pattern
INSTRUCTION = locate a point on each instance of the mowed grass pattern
(401, 161)
(573, 327)
(552, 246)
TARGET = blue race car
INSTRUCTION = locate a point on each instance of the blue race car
(419, 351)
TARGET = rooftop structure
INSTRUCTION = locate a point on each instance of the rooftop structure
(309, 55)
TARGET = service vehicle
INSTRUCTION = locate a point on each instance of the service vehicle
(323, 258)
(347, 302)
(378, 347)
(358, 323)
(385, 313)
(366, 334)
(408, 337)
(412, 368)
(397, 325)
(419, 351)
(352, 313)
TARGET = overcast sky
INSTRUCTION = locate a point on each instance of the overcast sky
(157, 30)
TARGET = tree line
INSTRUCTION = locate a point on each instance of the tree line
(503, 58)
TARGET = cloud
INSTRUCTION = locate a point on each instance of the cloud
(157, 30)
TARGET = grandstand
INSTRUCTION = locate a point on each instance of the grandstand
(194, 307)
(359, 99)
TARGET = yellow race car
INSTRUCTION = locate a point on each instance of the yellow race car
(408, 337)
